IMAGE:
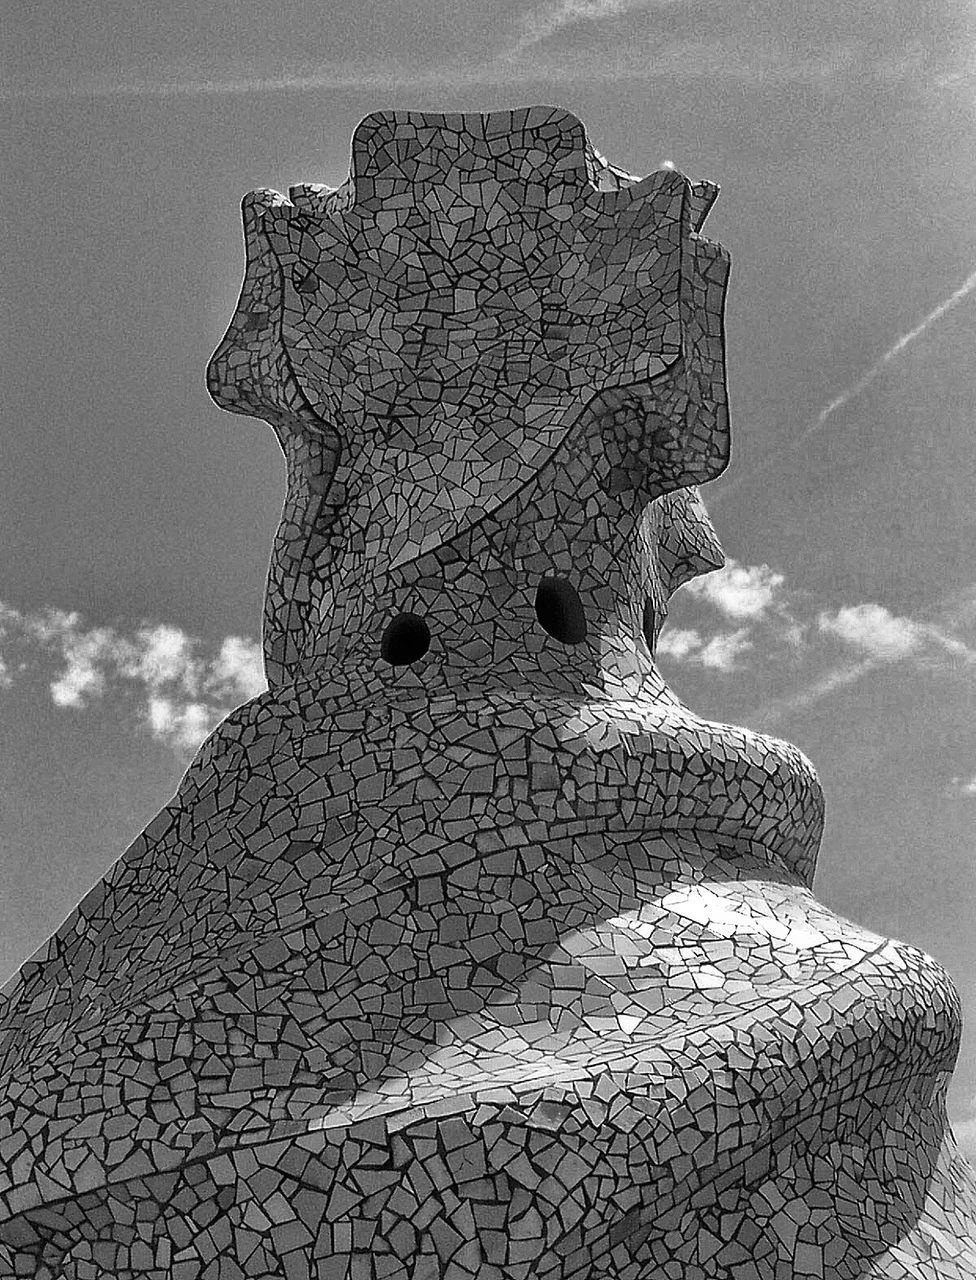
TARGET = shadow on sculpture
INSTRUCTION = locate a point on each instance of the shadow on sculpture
(467, 950)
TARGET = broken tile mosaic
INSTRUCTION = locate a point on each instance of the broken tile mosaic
(467, 951)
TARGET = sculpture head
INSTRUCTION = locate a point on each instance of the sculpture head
(495, 364)
(483, 292)
(486, 957)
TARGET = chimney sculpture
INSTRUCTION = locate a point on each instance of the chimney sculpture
(466, 952)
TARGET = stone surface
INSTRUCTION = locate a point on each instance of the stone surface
(467, 950)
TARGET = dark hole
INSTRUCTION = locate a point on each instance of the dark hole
(648, 623)
(406, 639)
(560, 610)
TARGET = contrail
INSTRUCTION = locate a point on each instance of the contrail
(509, 67)
(878, 368)
(838, 678)
(853, 391)
(385, 79)
(516, 64)
(952, 645)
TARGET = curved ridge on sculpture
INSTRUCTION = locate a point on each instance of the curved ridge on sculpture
(467, 951)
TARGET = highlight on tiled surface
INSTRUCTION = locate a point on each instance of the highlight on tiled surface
(467, 950)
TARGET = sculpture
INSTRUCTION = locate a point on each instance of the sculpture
(466, 950)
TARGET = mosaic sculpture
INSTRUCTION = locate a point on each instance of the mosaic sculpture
(466, 950)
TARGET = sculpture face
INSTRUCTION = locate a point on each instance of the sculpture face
(467, 950)
(427, 337)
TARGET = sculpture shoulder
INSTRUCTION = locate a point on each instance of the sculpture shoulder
(176, 854)
(252, 733)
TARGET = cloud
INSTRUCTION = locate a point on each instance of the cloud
(679, 643)
(723, 651)
(508, 69)
(182, 725)
(78, 681)
(875, 630)
(951, 645)
(751, 595)
(780, 627)
(163, 655)
(238, 665)
(887, 637)
(964, 1131)
(739, 590)
(879, 637)
(550, 18)
(961, 788)
(720, 652)
(180, 694)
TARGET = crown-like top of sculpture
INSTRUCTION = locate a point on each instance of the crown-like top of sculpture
(477, 280)
(543, 146)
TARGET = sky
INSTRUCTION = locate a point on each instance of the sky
(136, 518)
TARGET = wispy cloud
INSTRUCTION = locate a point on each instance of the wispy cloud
(749, 597)
(526, 64)
(547, 19)
(882, 638)
(871, 633)
(873, 629)
(723, 651)
(180, 693)
(719, 652)
(740, 590)
(746, 615)
(884, 635)
(962, 788)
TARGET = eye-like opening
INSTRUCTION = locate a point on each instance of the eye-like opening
(648, 623)
(405, 640)
(560, 610)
